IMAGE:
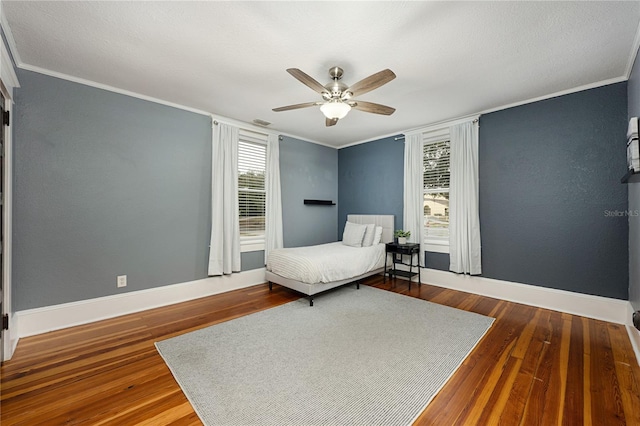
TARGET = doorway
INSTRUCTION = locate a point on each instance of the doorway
(2, 213)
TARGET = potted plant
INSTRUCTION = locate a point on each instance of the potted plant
(402, 236)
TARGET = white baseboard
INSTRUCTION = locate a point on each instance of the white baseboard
(602, 308)
(10, 338)
(598, 307)
(49, 318)
(634, 334)
(41, 320)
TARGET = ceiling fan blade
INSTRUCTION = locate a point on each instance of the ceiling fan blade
(330, 122)
(296, 106)
(372, 82)
(371, 107)
(307, 80)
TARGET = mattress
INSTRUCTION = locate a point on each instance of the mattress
(325, 263)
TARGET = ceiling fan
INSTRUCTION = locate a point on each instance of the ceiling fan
(338, 97)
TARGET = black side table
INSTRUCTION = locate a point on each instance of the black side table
(397, 252)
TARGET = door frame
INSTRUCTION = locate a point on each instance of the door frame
(9, 338)
(8, 81)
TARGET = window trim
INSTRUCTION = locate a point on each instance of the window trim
(247, 245)
(429, 132)
(435, 244)
(253, 243)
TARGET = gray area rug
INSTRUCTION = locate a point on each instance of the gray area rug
(357, 357)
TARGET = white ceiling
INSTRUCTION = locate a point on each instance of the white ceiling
(451, 59)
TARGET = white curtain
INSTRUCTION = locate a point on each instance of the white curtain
(413, 190)
(273, 213)
(224, 249)
(464, 217)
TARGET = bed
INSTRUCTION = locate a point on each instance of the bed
(314, 269)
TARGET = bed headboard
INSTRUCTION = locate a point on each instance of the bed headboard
(384, 220)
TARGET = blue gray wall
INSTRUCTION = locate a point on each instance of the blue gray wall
(308, 171)
(106, 184)
(370, 180)
(633, 99)
(548, 173)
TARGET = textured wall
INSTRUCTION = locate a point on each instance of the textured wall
(106, 184)
(308, 171)
(371, 180)
(633, 92)
(549, 173)
(549, 189)
(438, 261)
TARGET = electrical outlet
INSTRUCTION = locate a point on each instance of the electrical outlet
(122, 281)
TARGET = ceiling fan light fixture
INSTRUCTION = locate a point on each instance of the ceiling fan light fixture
(334, 109)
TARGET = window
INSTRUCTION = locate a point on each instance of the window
(252, 158)
(436, 174)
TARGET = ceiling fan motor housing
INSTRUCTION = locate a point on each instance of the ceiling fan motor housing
(336, 73)
(336, 88)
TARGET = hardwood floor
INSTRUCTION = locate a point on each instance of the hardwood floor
(533, 367)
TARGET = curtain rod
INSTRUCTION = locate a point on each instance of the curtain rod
(215, 122)
(397, 138)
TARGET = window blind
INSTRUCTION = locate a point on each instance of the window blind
(437, 170)
(252, 155)
(436, 178)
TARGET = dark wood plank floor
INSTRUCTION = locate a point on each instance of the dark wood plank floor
(533, 367)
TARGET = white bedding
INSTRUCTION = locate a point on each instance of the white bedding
(325, 263)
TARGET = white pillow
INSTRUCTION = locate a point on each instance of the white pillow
(369, 233)
(378, 235)
(353, 234)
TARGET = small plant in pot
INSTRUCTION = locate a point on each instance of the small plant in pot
(402, 236)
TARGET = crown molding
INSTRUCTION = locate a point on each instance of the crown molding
(500, 108)
(264, 130)
(634, 53)
(7, 73)
(20, 64)
(601, 83)
(13, 48)
(109, 88)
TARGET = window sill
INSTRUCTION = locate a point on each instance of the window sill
(436, 246)
(247, 247)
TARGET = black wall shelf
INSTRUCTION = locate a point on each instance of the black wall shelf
(631, 177)
(320, 202)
